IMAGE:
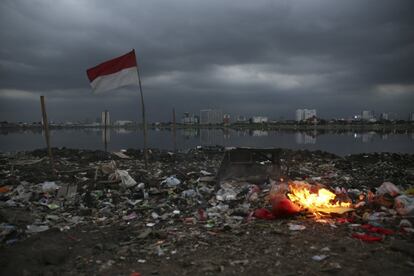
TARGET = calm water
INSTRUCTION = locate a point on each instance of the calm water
(341, 143)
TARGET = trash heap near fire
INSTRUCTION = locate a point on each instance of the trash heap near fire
(296, 197)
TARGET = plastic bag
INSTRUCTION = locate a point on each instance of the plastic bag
(171, 181)
(48, 187)
(127, 180)
(404, 205)
(388, 188)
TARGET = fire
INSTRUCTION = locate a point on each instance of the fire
(316, 199)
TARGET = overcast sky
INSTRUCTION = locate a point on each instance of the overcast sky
(244, 57)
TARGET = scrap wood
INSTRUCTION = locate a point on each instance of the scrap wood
(78, 170)
(27, 162)
(121, 155)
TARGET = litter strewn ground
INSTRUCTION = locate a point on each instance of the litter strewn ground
(106, 214)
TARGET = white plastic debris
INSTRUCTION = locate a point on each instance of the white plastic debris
(226, 194)
(205, 173)
(296, 227)
(171, 181)
(189, 193)
(388, 188)
(127, 180)
(319, 258)
(108, 168)
(230, 189)
(49, 187)
(405, 223)
(36, 228)
(404, 205)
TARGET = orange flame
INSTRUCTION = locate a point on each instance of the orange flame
(316, 199)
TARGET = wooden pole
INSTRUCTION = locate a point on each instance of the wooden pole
(144, 122)
(105, 128)
(174, 131)
(47, 137)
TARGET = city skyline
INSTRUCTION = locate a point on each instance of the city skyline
(187, 118)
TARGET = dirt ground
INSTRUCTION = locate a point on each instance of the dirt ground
(109, 243)
(260, 247)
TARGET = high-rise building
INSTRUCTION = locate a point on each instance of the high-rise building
(305, 114)
(108, 119)
(211, 116)
(384, 116)
(367, 115)
(299, 115)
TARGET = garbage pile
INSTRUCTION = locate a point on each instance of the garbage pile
(180, 191)
(366, 213)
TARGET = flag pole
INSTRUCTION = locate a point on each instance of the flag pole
(105, 129)
(47, 137)
(144, 122)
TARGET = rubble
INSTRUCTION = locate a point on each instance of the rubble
(117, 217)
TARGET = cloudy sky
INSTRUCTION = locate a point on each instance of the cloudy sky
(244, 57)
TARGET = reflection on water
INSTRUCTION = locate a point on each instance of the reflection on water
(305, 137)
(259, 133)
(340, 142)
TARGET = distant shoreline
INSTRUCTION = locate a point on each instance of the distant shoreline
(289, 127)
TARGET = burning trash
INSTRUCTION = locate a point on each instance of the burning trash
(316, 199)
(300, 196)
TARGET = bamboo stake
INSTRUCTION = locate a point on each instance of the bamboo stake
(174, 132)
(105, 129)
(47, 137)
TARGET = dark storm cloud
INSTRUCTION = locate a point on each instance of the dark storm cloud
(246, 57)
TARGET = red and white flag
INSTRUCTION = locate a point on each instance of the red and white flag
(114, 73)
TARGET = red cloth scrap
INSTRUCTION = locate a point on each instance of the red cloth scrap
(366, 238)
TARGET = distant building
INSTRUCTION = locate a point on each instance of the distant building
(241, 119)
(122, 123)
(384, 116)
(189, 119)
(259, 119)
(108, 119)
(211, 116)
(226, 119)
(305, 114)
(367, 115)
(412, 116)
(299, 115)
